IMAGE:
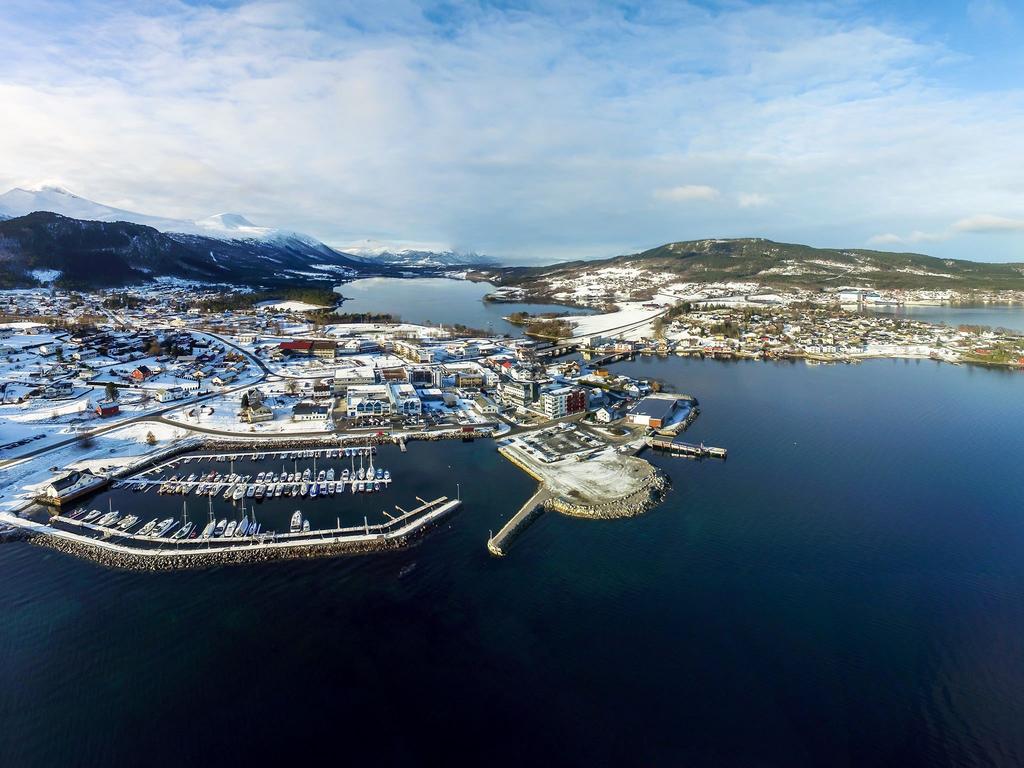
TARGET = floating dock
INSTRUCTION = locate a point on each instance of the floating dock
(689, 450)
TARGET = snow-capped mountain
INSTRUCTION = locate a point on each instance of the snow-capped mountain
(413, 256)
(231, 226)
(225, 247)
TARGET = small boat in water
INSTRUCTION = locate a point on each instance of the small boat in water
(182, 532)
(330, 475)
(162, 528)
(296, 525)
(243, 527)
(92, 515)
(230, 530)
(313, 490)
(221, 527)
(376, 485)
(147, 528)
(208, 530)
(305, 526)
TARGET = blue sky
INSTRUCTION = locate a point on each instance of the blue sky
(533, 131)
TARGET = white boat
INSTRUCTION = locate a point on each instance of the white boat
(208, 530)
(305, 526)
(376, 486)
(306, 474)
(162, 528)
(387, 474)
(92, 515)
(278, 490)
(147, 528)
(296, 521)
(128, 522)
(344, 475)
(303, 489)
(314, 490)
(230, 530)
(239, 492)
(221, 527)
(243, 527)
(330, 474)
(182, 532)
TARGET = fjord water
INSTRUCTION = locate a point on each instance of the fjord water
(846, 590)
(439, 300)
(1009, 316)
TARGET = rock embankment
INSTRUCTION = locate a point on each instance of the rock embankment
(647, 496)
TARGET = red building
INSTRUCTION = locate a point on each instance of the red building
(106, 408)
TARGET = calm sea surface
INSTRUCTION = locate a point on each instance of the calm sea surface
(992, 315)
(846, 590)
(438, 300)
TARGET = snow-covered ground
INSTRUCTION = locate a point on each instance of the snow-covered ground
(121, 447)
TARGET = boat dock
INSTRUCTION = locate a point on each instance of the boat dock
(126, 550)
(498, 544)
(688, 450)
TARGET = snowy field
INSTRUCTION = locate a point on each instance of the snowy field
(116, 449)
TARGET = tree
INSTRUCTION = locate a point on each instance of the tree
(110, 391)
(150, 438)
(85, 440)
(292, 386)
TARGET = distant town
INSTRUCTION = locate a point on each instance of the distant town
(118, 389)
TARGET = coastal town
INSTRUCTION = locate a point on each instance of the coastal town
(118, 390)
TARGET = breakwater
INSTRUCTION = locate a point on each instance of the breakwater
(144, 553)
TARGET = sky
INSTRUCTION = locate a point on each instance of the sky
(533, 131)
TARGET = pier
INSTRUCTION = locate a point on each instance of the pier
(689, 450)
(498, 543)
(122, 550)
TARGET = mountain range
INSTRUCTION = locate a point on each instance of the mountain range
(767, 263)
(52, 232)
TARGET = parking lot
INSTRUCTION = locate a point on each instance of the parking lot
(559, 442)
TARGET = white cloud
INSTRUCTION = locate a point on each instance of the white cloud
(752, 200)
(519, 133)
(687, 192)
(986, 223)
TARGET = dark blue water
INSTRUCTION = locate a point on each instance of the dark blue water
(439, 300)
(1009, 316)
(846, 590)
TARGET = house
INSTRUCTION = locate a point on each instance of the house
(70, 486)
(310, 412)
(170, 394)
(58, 389)
(485, 405)
(142, 373)
(106, 408)
(604, 416)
